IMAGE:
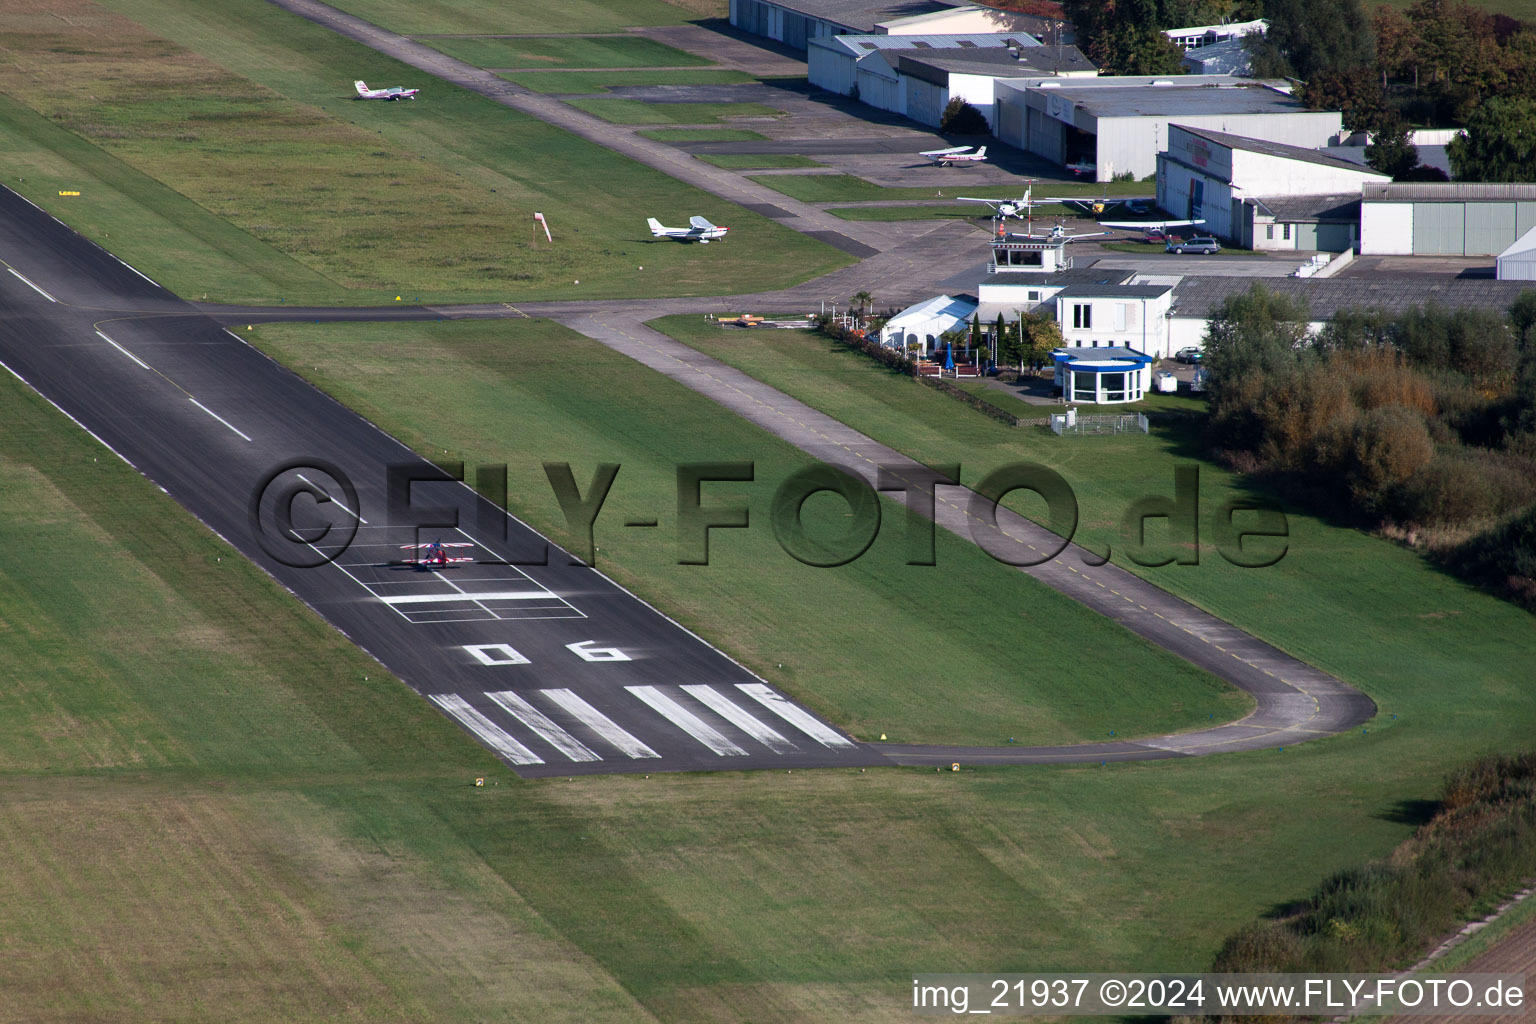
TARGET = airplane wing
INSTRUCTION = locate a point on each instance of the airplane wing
(952, 151)
(1149, 225)
(702, 223)
(455, 544)
(989, 202)
(1090, 234)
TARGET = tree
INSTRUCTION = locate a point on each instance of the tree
(1125, 36)
(1317, 35)
(1396, 44)
(1390, 151)
(1353, 92)
(1040, 335)
(863, 300)
(1255, 340)
(1499, 144)
(1130, 49)
(1522, 317)
(960, 118)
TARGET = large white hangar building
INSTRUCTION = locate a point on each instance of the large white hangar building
(796, 22)
(1262, 195)
(1120, 123)
(834, 62)
(1452, 218)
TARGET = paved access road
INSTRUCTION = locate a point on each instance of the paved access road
(551, 665)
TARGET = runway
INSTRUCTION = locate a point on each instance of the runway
(543, 660)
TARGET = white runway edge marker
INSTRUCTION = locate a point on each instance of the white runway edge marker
(536, 720)
(721, 705)
(600, 723)
(794, 715)
(687, 721)
(488, 731)
(34, 287)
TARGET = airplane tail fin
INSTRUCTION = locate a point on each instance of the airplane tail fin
(981, 152)
(655, 224)
(361, 86)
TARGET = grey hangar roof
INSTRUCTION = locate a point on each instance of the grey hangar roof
(1275, 149)
(1174, 101)
(864, 15)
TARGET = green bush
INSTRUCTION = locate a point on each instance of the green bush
(960, 118)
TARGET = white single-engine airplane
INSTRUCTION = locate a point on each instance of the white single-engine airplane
(955, 155)
(1019, 207)
(1149, 225)
(699, 230)
(397, 92)
(1059, 234)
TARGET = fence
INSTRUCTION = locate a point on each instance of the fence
(1125, 423)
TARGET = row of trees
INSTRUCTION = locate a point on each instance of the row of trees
(1125, 37)
(1424, 419)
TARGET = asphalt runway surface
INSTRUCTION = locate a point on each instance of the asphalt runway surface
(544, 660)
(549, 664)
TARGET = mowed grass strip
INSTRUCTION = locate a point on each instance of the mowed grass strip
(164, 707)
(887, 213)
(701, 135)
(477, 17)
(431, 199)
(1377, 615)
(643, 112)
(838, 188)
(338, 865)
(871, 643)
(743, 160)
(566, 52)
(591, 82)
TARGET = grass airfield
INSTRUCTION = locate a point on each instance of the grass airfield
(189, 130)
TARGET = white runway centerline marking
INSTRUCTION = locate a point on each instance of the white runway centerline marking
(536, 720)
(34, 287)
(495, 595)
(687, 721)
(794, 715)
(330, 496)
(491, 734)
(124, 351)
(721, 705)
(599, 723)
(216, 416)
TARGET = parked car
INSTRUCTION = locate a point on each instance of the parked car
(1202, 245)
(1187, 355)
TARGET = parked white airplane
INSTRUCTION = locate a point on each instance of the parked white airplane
(394, 93)
(1015, 207)
(1149, 225)
(1059, 234)
(699, 230)
(955, 155)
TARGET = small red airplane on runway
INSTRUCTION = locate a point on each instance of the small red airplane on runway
(435, 553)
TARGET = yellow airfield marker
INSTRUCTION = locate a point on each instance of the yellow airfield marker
(62, 192)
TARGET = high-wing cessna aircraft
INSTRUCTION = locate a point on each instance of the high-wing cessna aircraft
(1019, 207)
(394, 93)
(699, 230)
(1059, 234)
(955, 155)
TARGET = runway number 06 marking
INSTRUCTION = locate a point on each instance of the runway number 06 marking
(506, 654)
(586, 652)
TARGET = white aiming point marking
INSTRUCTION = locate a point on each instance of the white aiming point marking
(586, 652)
(496, 654)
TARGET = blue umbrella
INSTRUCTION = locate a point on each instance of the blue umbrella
(949, 357)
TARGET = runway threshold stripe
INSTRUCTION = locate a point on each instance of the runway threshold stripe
(493, 595)
(600, 723)
(34, 287)
(536, 720)
(491, 734)
(124, 351)
(722, 705)
(687, 721)
(794, 715)
(221, 419)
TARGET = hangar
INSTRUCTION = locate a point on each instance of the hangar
(1120, 124)
(1451, 218)
(924, 85)
(833, 62)
(1262, 195)
(796, 22)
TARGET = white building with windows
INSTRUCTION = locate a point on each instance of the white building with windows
(1102, 376)
(1116, 316)
(1196, 36)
